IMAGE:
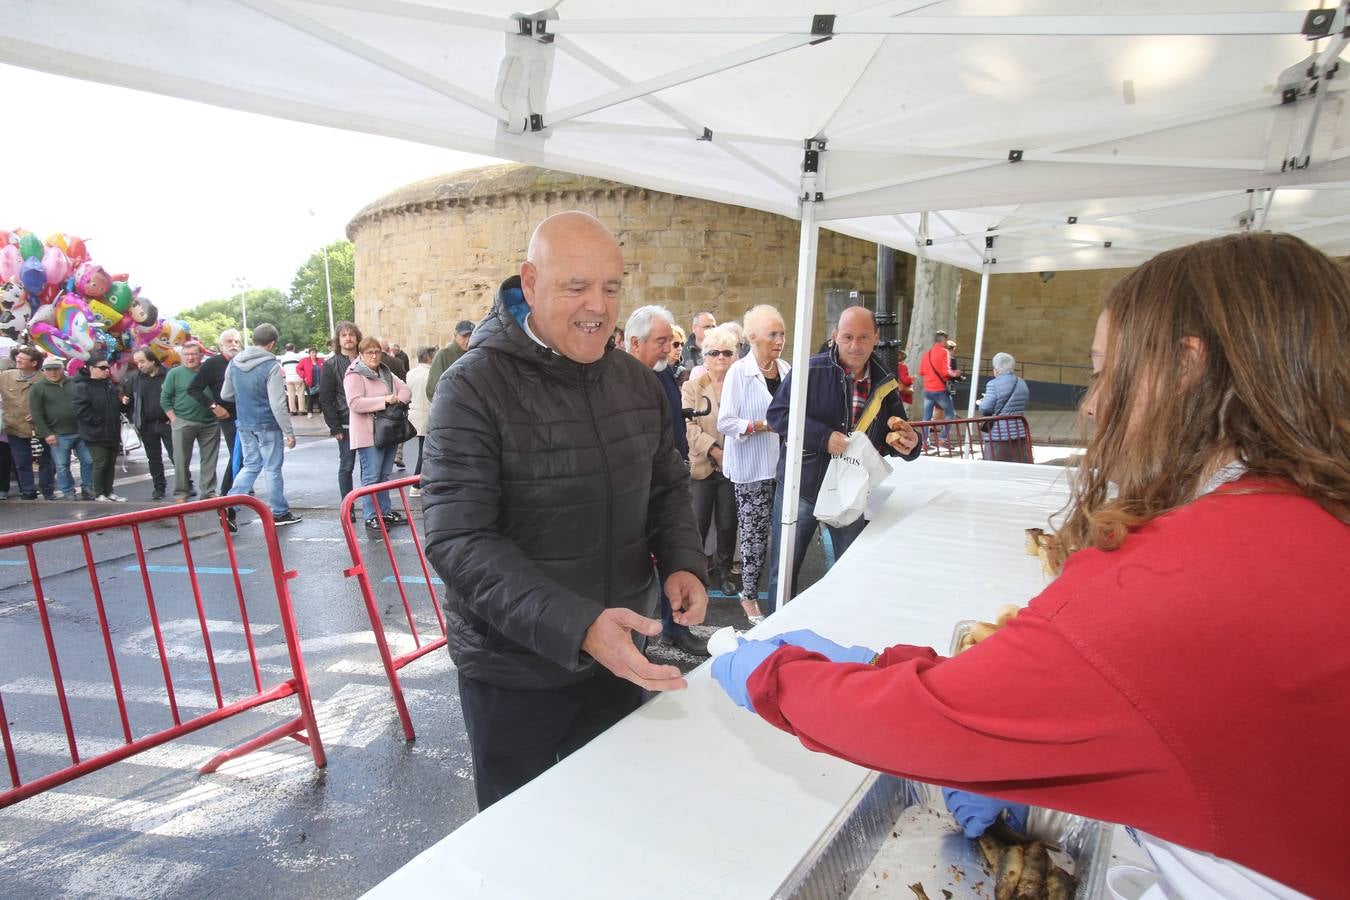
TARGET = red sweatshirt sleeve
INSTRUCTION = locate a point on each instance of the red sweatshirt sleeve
(1020, 716)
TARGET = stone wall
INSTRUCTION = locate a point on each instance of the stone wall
(433, 253)
(1047, 322)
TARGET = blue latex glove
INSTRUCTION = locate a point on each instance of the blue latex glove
(809, 640)
(732, 670)
(976, 812)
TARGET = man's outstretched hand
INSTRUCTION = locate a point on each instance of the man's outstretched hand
(609, 641)
(688, 598)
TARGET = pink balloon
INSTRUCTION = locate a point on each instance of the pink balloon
(55, 264)
(11, 260)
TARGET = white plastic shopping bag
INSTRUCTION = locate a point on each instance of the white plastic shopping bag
(851, 476)
(849, 481)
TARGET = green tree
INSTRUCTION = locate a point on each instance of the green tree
(309, 295)
(207, 328)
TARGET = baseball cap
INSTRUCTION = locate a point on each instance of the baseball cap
(52, 362)
(463, 326)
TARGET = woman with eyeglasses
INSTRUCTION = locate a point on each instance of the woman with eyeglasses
(752, 452)
(370, 386)
(712, 494)
(98, 411)
(675, 361)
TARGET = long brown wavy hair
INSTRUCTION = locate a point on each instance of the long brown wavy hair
(1270, 385)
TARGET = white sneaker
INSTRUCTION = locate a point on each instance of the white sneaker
(116, 499)
(58, 495)
(103, 498)
(415, 492)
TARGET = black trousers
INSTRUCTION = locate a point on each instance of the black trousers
(715, 504)
(154, 436)
(227, 428)
(515, 735)
(105, 459)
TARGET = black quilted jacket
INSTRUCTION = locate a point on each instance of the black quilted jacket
(548, 487)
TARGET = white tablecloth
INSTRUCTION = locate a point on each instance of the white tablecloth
(693, 797)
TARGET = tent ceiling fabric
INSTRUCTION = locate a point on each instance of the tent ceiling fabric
(923, 105)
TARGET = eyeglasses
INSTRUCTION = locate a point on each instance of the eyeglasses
(103, 366)
(719, 353)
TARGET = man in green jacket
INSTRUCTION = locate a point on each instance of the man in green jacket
(191, 423)
(51, 403)
(446, 356)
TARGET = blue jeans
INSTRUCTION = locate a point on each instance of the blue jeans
(376, 464)
(840, 538)
(937, 398)
(21, 455)
(61, 455)
(263, 452)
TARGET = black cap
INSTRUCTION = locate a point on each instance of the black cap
(463, 326)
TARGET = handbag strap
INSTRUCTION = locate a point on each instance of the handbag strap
(874, 403)
(1007, 399)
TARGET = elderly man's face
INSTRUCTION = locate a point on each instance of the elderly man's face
(855, 337)
(702, 323)
(572, 282)
(191, 355)
(230, 344)
(463, 340)
(655, 348)
(52, 374)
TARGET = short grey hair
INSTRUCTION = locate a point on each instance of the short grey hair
(701, 314)
(1004, 364)
(265, 334)
(228, 333)
(723, 337)
(757, 316)
(639, 324)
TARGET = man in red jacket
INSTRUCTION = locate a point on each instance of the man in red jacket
(937, 368)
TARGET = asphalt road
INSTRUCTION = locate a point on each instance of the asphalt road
(268, 823)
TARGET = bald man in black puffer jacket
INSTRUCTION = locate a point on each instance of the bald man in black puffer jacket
(551, 483)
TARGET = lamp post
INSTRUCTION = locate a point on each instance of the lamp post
(327, 287)
(242, 284)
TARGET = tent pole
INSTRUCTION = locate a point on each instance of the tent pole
(979, 335)
(801, 356)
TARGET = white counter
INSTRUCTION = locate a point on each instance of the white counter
(741, 802)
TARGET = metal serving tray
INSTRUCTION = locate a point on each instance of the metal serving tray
(895, 832)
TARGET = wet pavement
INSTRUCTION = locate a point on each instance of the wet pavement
(269, 822)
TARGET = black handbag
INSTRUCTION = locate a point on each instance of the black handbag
(393, 427)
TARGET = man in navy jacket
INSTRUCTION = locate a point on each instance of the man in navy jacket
(840, 381)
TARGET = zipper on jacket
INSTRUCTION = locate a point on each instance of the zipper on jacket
(609, 487)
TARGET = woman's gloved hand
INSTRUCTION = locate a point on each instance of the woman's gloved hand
(732, 670)
(976, 812)
(809, 640)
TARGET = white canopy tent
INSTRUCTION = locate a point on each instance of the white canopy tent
(999, 135)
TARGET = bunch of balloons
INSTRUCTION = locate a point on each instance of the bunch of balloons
(55, 297)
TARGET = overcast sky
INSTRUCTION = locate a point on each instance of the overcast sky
(187, 198)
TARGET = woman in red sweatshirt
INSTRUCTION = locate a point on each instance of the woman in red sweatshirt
(1188, 672)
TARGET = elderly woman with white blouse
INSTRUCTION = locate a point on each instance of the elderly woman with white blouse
(750, 454)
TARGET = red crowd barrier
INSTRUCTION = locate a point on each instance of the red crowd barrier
(361, 572)
(971, 438)
(302, 728)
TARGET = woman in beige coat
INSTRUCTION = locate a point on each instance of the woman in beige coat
(714, 499)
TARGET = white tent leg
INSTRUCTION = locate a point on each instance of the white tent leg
(801, 357)
(979, 337)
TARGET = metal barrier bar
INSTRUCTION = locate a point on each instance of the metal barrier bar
(239, 592)
(361, 573)
(201, 611)
(972, 441)
(302, 727)
(154, 623)
(92, 568)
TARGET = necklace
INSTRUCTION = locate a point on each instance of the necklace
(771, 368)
